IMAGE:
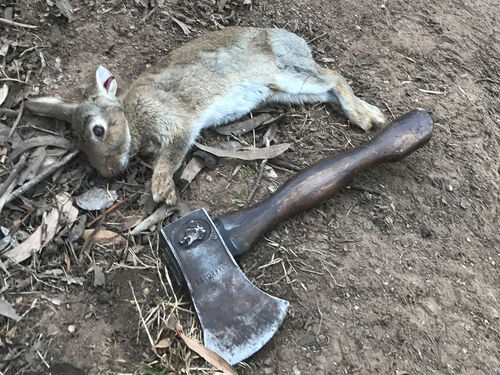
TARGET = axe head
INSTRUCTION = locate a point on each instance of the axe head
(237, 318)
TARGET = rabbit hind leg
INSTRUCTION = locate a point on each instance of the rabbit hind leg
(357, 110)
(299, 88)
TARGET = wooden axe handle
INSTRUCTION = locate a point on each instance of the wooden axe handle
(320, 181)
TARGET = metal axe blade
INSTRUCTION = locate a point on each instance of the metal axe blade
(237, 318)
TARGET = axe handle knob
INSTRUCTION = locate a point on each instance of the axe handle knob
(320, 181)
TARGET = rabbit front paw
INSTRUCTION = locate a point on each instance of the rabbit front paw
(163, 188)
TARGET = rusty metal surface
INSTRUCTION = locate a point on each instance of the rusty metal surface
(237, 318)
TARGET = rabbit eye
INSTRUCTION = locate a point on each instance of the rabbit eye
(98, 131)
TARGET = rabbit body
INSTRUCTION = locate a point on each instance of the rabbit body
(209, 81)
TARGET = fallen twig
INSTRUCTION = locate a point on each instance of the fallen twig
(257, 181)
(161, 213)
(18, 118)
(434, 92)
(18, 24)
(8, 112)
(40, 177)
(109, 210)
(151, 341)
(13, 175)
(209, 355)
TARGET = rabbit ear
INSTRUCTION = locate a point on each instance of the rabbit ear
(52, 107)
(105, 81)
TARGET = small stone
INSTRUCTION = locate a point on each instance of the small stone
(71, 328)
(296, 371)
(464, 203)
(367, 225)
(103, 297)
(425, 232)
(358, 27)
(307, 340)
(208, 178)
(447, 186)
(270, 172)
(378, 271)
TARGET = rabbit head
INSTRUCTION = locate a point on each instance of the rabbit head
(98, 123)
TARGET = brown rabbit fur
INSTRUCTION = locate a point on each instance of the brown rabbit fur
(209, 81)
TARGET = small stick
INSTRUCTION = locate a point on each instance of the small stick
(18, 24)
(140, 315)
(41, 176)
(18, 118)
(317, 37)
(15, 171)
(390, 110)
(109, 210)
(8, 112)
(434, 92)
(257, 181)
(90, 239)
(487, 80)
(161, 213)
(13, 80)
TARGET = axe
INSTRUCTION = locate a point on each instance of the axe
(236, 317)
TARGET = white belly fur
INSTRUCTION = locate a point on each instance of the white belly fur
(236, 103)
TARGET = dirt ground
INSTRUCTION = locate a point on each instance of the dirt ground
(396, 274)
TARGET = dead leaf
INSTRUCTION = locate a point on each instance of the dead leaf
(247, 154)
(59, 217)
(221, 4)
(163, 343)
(65, 8)
(209, 355)
(269, 135)
(45, 140)
(7, 310)
(4, 91)
(242, 127)
(99, 278)
(104, 236)
(192, 169)
(182, 25)
(130, 222)
(76, 232)
(34, 164)
(96, 199)
(73, 280)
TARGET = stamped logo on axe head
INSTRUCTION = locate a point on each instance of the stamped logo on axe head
(236, 317)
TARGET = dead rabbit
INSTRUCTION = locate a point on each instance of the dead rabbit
(209, 81)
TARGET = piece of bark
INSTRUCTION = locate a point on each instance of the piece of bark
(192, 169)
(104, 237)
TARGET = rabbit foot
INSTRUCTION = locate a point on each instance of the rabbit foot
(163, 189)
(365, 115)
